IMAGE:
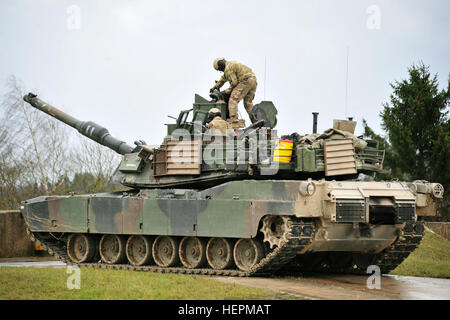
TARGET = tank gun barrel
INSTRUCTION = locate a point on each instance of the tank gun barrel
(87, 128)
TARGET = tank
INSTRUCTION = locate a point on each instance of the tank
(242, 204)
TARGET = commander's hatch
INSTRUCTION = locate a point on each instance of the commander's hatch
(202, 107)
(198, 114)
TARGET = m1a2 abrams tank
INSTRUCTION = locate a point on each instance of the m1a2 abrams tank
(243, 204)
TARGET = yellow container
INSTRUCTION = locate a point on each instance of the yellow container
(38, 247)
(283, 151)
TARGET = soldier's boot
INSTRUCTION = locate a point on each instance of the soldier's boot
(236, 123)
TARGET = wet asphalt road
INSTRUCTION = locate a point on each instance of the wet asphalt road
(352, 287)
(317, 286)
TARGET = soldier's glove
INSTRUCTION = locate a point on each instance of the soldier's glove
(212, 89)
(214, 95)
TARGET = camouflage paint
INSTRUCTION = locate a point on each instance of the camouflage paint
(57, 214)
(232, 210)
(118, 215)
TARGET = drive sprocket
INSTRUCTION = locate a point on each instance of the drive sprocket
(276, 230)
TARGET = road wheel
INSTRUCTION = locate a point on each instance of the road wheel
(112, 248)
(192, 252)
(165, 251)
(81, 248)
(219, 253)
(247, 253)
(139, 250)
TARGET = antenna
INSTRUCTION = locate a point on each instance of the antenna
(265, 77)
(346, 83)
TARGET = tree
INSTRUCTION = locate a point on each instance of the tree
(35, 140)
(417, 125)
(93, 164)
(38, 156)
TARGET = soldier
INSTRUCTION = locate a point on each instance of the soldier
(217, 123)
(242, 85)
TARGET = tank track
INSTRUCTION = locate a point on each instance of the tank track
(300, 235)
(394, 255)
(387, 260)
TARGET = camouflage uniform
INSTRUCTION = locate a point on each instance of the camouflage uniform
(219, 124)
(242, 86)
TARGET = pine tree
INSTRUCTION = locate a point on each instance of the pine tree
(417, 124)
(383, 144)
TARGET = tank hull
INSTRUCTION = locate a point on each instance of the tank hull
(281, 222)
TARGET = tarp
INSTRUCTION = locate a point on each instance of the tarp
(316, 139)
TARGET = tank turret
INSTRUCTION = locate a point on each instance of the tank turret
(87, 128)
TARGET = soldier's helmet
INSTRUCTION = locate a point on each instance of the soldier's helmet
(216, 63)
(214, 111)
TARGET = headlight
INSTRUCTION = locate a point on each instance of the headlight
(307, 188)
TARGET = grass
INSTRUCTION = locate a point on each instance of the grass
(50, 283)
(430, 259)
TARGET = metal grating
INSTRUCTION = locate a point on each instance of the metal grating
(350, 211)
(406, 212)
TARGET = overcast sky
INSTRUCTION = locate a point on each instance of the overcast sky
(128, 64)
